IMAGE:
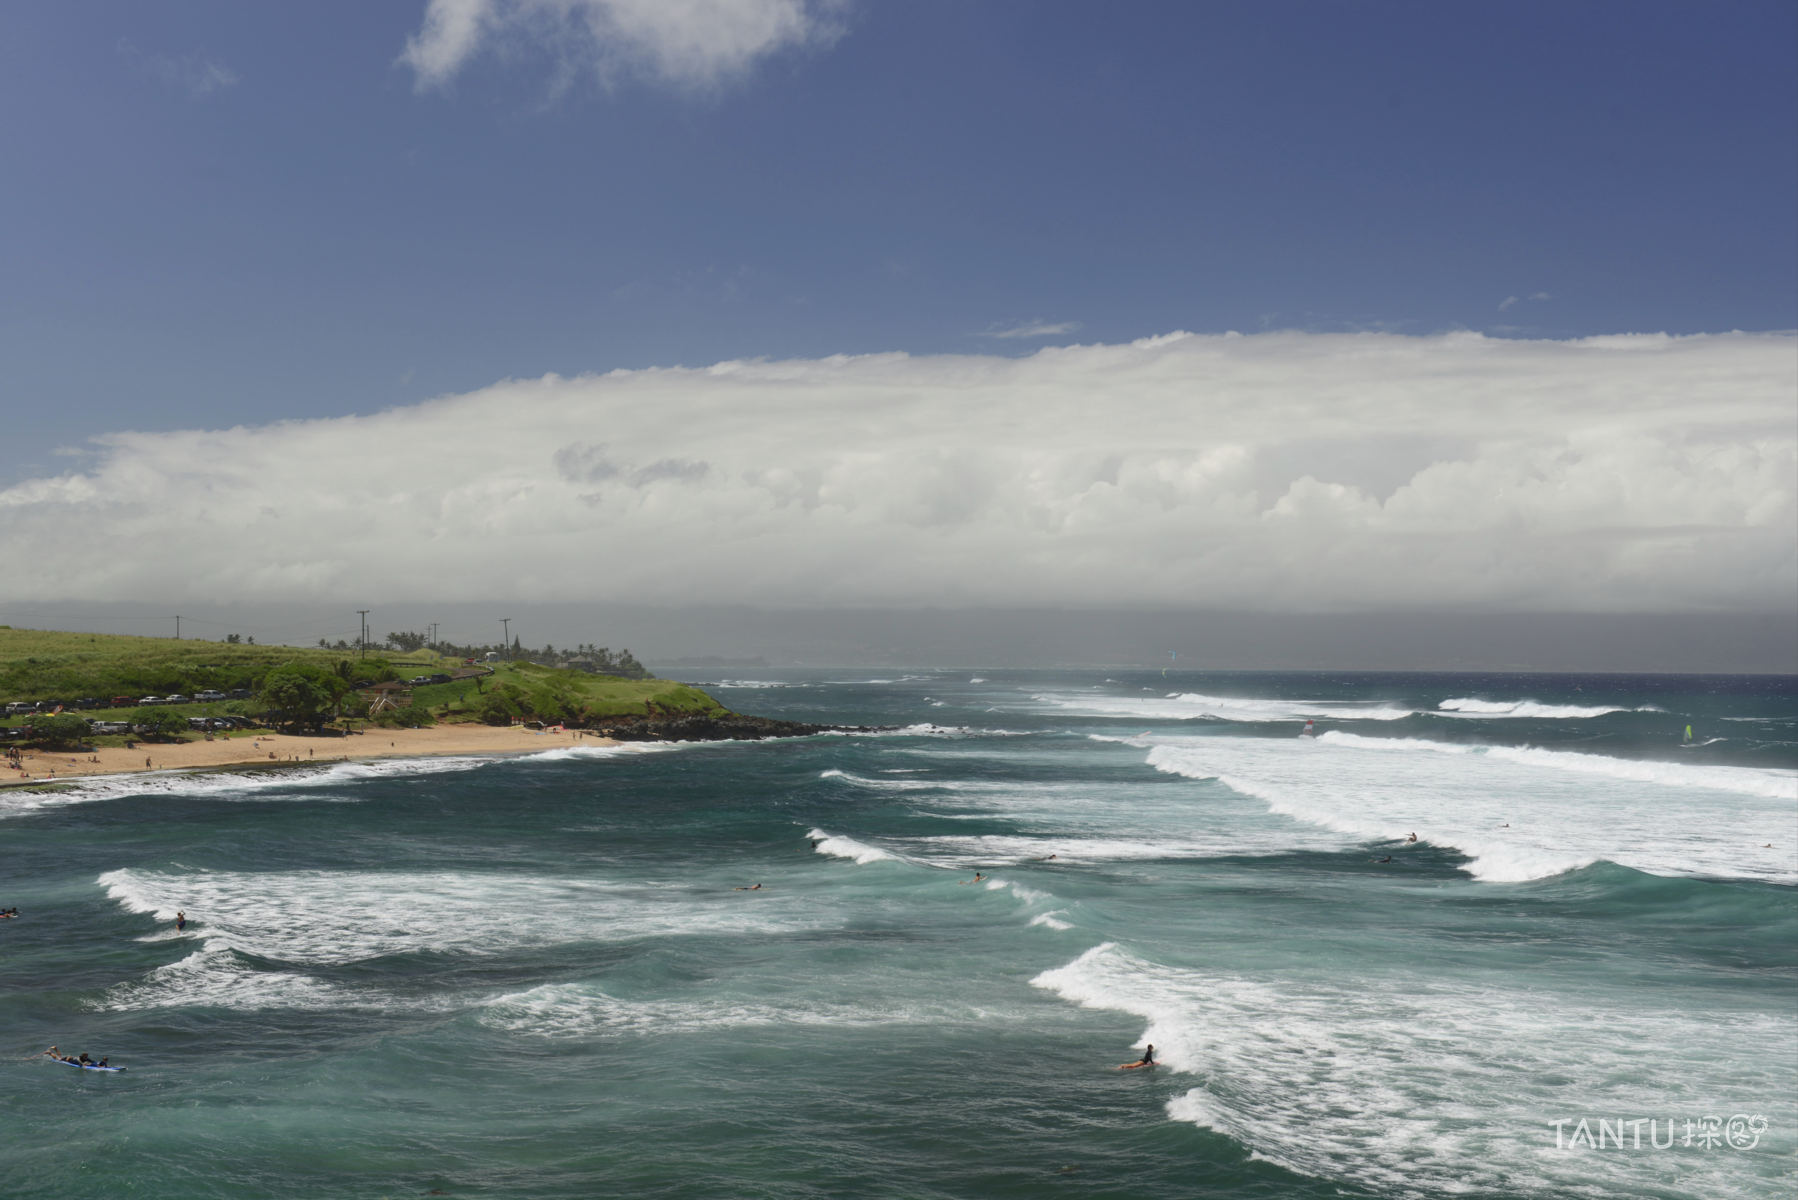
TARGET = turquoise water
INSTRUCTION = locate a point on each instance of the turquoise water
(533, 977)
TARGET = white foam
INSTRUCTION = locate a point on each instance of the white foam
(574, 1010)
(1468, 707)
(1188, 706)
(319, 918)
(1049, 920)
(1422, 1088)
(1746, 781)
(286, 782)
(911, 785)
(213, 977)
(1517, 813)
(578, 751)
(838, 846)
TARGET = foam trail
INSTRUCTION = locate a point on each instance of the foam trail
(1049, 920)
(844, 847)
(1430, 1089)
(1529, 708)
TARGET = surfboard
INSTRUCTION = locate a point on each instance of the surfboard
(89, 1066)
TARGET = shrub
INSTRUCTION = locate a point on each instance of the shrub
(497, 708)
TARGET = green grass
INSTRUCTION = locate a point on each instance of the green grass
(40, 665)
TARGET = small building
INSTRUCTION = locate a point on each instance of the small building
(582, 664)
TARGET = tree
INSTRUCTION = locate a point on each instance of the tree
(234, 639)
(59, 729)
(407, 641)
(162, 724)
(305, 694)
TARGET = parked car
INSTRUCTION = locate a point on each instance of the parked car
(49, 706)
(11, 735)
(87, 702)
(440, 677)
(111, 726)
(151, 700)
(238, 694)
(20, 706)
(207, 697)
(177, 698)
(123, 702)
(418, 679)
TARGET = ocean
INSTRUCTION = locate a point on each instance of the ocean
(535, 976)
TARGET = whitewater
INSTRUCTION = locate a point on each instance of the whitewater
(1384, 932)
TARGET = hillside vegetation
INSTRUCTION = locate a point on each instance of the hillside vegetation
(530, 690)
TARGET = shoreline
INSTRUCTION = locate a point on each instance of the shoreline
(271, 749)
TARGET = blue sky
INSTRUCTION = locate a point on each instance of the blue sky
(218, 213)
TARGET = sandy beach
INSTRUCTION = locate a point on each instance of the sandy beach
(262, 749)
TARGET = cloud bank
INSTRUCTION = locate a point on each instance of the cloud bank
(690, 43)
(1286, 471)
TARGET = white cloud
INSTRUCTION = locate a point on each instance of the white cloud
(1507, 302)
(691, 43)
(1285, 470)
(194, 74)
(1032, 329)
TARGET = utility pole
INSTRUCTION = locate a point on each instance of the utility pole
(505, 641)
(177, 627)
(362, 637)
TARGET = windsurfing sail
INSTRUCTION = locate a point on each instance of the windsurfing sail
(1688, 733)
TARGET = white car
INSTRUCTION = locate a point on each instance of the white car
(209, 696)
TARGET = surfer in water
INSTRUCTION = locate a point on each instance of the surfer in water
(754, 887)
(180, 921)
(978, 877)
(1387, 859)
(1147, 1060)
(1412, 838)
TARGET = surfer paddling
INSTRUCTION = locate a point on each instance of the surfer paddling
(978, 878)
(754, 887)
(1147, 1060)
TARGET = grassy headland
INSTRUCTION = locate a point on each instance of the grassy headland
(38, 665)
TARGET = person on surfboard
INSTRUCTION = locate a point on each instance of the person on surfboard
(1147, 1060)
